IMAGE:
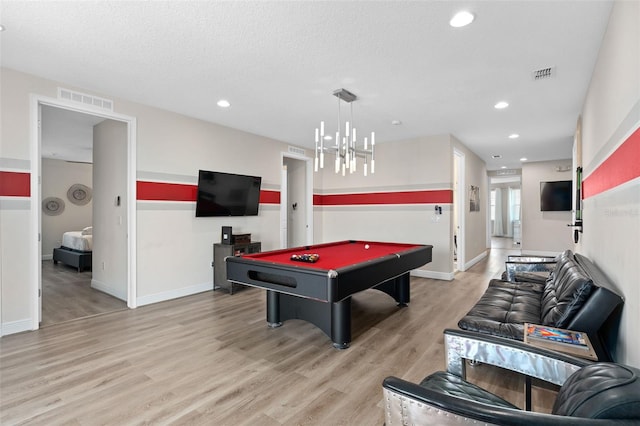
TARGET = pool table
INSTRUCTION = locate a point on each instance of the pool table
(320, 292)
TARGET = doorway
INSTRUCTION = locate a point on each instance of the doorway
(505, 221)
(126, 272)
(458, 222)
(296, 201)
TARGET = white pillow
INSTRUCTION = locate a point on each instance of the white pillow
(87, 231)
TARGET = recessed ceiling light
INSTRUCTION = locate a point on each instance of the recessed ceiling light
(514, 136)
(523, 159)
(501, 105)
(396, 122)
(328, 138)
(503, 167)
(2, 28)
(223, 103)
(461, 19)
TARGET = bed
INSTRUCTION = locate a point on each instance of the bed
(76, 249)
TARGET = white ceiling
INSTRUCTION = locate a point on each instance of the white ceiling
(67, 135)
(278, 63)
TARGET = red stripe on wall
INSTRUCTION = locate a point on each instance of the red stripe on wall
(622, 166)
(443, 196)
(269, 197)
(160, 191)
(14, 184)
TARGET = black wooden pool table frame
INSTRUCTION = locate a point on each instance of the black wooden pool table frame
(323, 297)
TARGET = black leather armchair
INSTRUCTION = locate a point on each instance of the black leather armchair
(590, 393)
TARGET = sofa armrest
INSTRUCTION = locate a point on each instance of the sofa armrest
(542, 269)
(530, 258)
(409, 403)
(514, 355)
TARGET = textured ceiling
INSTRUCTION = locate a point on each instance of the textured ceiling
(279, 62)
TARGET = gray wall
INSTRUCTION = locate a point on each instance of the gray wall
(543, 232)
(57, 177)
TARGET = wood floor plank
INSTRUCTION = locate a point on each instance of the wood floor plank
(211, 359)
(67, 295)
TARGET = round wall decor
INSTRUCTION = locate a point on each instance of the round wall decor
(79, 194)
(52, 206)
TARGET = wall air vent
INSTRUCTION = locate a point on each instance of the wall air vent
(296, 150)
(84, 99)
(543, 73)
(507, 172)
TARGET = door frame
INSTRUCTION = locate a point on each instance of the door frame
(35, 102)
(284, 212)
(459, 158)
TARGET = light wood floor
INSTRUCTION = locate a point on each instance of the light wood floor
(67, 295)
(210, 359)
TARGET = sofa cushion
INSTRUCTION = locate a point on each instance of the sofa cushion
(504, 308)
(566, 290)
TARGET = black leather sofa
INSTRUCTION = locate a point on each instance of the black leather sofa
(575, 296)
(590, 393)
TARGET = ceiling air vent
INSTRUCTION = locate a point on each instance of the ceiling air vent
(83, 98)
(543, 73)
(296, 150)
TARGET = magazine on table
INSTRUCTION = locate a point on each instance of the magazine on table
(573, 339)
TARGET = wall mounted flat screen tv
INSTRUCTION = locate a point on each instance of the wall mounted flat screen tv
(556, 196)
(227, 194)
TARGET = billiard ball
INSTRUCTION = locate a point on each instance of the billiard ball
(366, 246)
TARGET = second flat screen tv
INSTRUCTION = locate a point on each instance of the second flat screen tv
(227, 194)
(556, 196)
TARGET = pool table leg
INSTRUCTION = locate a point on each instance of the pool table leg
(399, 288)
(334, 319)
(273, 309)
(341, 323)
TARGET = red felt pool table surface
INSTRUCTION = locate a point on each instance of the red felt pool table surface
(333, 255)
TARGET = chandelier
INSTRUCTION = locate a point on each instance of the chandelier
(345, 148)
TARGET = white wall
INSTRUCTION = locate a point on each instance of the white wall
(401, 166)
(543, 232)
(110, 251)
(420, 164)
(57, 177)
(610, 114)
(174, 249)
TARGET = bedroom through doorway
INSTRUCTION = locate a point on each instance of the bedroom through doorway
(69, 196)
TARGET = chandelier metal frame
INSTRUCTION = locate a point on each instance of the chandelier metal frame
(345, 149)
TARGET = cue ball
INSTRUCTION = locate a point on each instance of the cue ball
(366, 246)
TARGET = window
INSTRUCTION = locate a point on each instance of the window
(514, 203)
(493, 204)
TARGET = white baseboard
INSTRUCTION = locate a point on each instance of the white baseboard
(106, 288)
(475, 260)
(174, 294)
(16, 327)
(47, 256)
(447, 276)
